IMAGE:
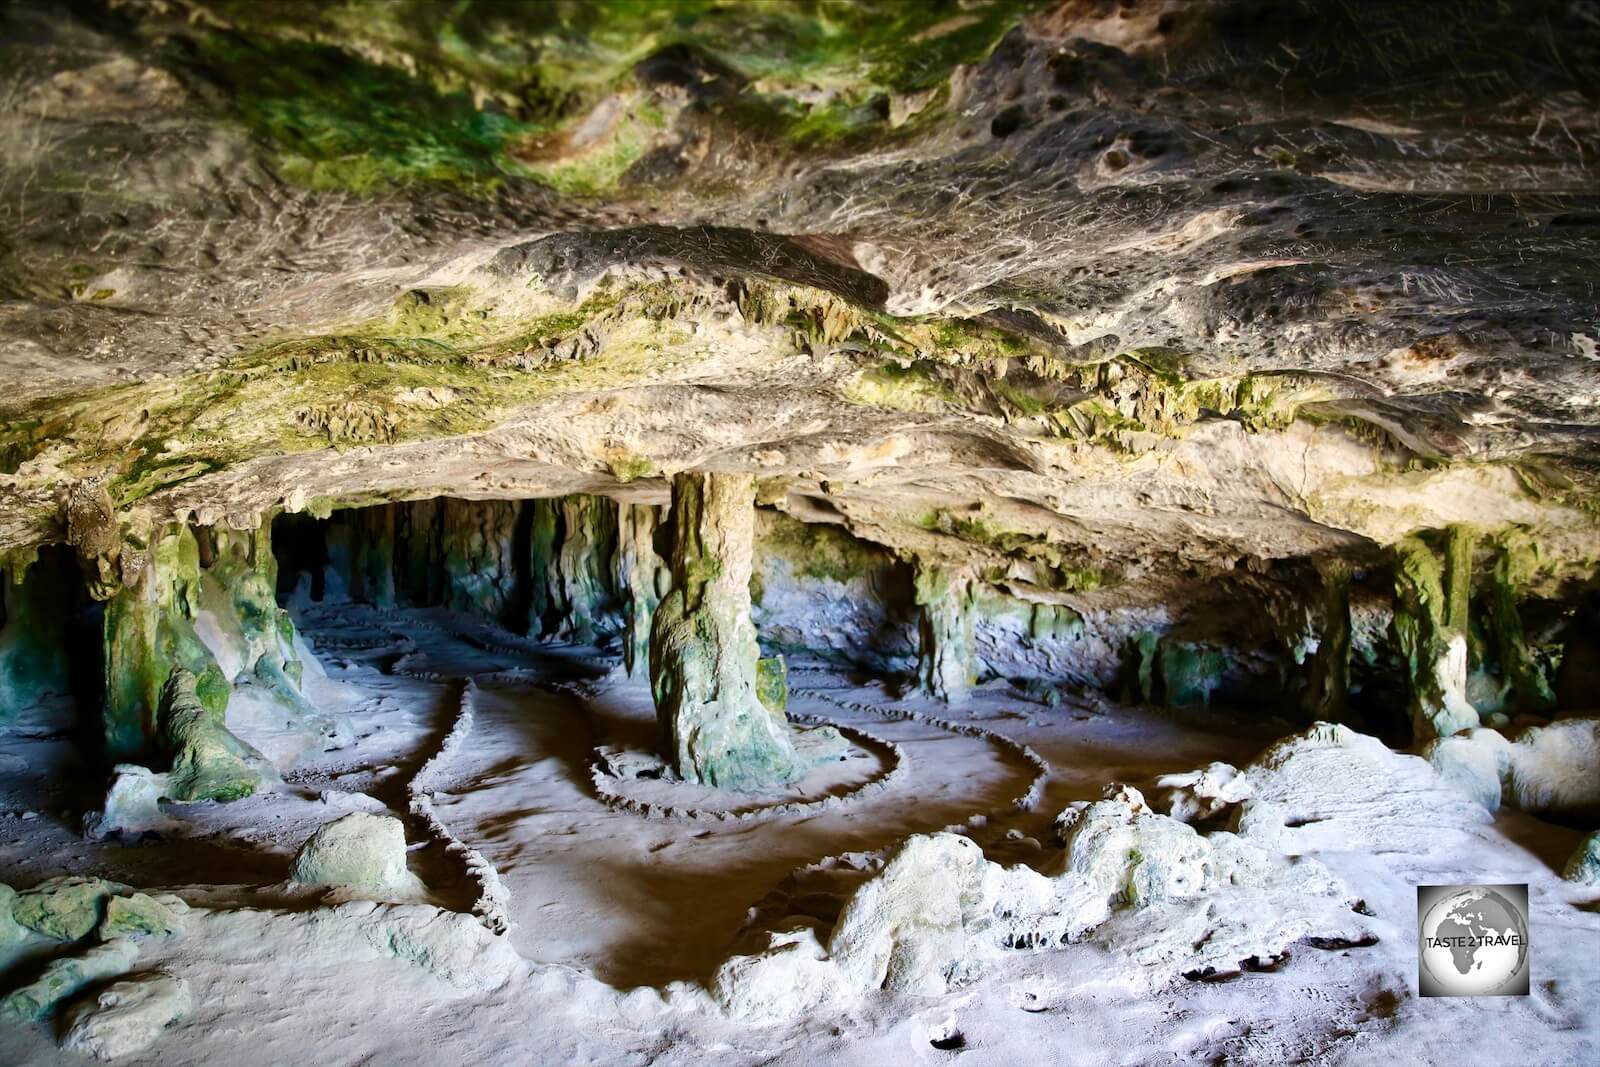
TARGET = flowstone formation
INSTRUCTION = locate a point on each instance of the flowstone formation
(704, 674)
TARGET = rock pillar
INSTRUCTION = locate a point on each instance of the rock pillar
(583, 567)
(703, 651)
(946, 661)
(1513, 566)
(1435, 651)
(642, 578)
(1328, 698)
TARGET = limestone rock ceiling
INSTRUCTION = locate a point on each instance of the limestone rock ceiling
(1081, 290)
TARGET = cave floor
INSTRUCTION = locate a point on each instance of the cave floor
(613, 911)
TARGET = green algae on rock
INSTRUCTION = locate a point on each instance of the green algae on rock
(66, 907)
(208, 762)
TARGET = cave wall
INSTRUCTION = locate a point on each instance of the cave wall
(541, 567)
(45, 663)
(1256, 640)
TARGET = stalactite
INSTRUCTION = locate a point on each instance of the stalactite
(642, 578)
(703, 651)
(946, 658)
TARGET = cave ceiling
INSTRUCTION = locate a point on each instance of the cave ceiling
(1084, 291)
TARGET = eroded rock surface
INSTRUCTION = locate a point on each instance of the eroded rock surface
(126, 1016)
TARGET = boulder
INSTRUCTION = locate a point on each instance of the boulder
(66, 907)
(909, 928)
(1197, 796)
(132, 805)
(141, 915)
(1339, 790)
(792, 973)
(126, 1016)
(1555, 769)
(361, 852)
(1584, 865)
(1472, 762)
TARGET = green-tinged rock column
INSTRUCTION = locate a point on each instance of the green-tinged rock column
(1327, 698)
(703, 651)
(583, 567)
(1436, 653)
(479, 555)
(946, 660)
(208, 762)
(149, 630)
(1514, 564)
(419, 553)
(375, 559)
(544, 592)
(642, 578)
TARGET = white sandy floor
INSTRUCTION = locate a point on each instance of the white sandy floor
(609, 907)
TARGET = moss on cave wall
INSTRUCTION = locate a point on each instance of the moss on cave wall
(367, 99)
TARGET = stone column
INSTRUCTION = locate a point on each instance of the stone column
(478, 537)
(583, 566)
(544, 590)
(1513, 566)
(642, 578)
(1435, 652)
(703, 651)
(946, 661)
(1328, 697)
(375, 560)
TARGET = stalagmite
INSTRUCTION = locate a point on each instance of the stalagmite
(703, 649)
(946, 659)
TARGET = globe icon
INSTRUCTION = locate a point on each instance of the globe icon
(1475, 942)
